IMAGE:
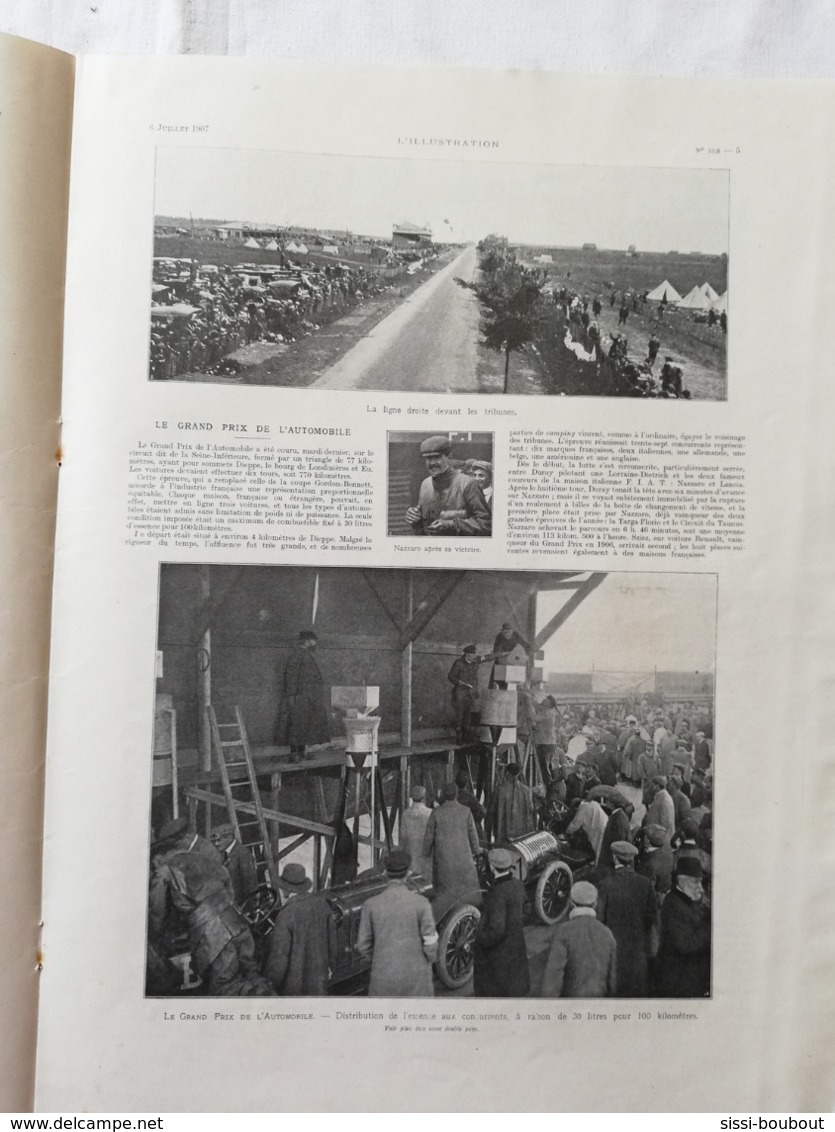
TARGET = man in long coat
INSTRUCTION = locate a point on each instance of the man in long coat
(397, 933)
(303, 718)
(617, 829)
(451, 841)
(303, 943)
(682, 968)
(187, 879)
(512, 808)
(627, 906)
(657, 861)
(661, 810)
(500, 958)
(582, 961)
(413, 831)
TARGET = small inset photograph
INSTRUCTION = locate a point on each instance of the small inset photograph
(440, 484)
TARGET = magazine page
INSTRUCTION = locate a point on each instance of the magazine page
(36, 85)
(436, 489)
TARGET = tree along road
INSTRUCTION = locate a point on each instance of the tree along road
(428, 344)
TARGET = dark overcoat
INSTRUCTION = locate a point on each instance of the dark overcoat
(617, 829)
(513, 812)
(501, 961)
(303, 947)
(626, 904)
(682, 969)
(582, 961)
(303, 712)
(451, 841)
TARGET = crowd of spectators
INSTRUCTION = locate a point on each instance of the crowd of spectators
(201, 314)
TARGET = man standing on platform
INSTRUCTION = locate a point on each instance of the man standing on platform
(303, 716)
(464, 679)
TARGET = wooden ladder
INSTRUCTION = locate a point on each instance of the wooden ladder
(240, 789)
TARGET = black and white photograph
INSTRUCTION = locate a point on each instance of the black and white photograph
(440, 484)
(431, 783)
(422, 275)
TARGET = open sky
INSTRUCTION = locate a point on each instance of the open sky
(635, 623)
(655, 209)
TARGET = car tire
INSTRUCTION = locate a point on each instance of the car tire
(456, 946)
(553, 889)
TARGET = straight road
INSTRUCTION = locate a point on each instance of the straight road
(428, 344)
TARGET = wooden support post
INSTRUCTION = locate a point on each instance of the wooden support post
(317, 860)
(204, 680)
(406, 665)
(405, 786)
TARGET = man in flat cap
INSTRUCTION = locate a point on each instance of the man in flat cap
(397, 933)
(463, 675)
(303, 943)
(413, 830)
(451, 841)
(682, 968)
(194, 883)
(656, 862)
(500, 958)
(449, 502)
(582, 961)
(303, 710)
(627, 906)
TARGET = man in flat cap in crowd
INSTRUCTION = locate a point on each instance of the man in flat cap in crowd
(452, 842)
(582, 961)
(656, 862)
(189, 878)
(682, 967)
(303, 711)
(627, 906)
(449, 502)
(397, 933)
(303, 943)
(500, 958)
(661, 810)
(413, 831)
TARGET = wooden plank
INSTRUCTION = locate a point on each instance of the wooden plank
(437, 596)
(562, 615)
(270, 814)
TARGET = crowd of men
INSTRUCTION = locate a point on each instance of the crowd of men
(199, 317)
(628, 785)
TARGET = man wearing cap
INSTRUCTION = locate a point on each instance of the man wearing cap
(413, 831)
(582, 960)
(618, 828)
(482, 473)
(303, 713)
(451, 841)
(187, 880)
(590, 820)
(449, 502)
(238, 861)
(303, 944)
(464, 679)
(682, 968)
(468, 799)
(627, 906)
(656, 862)
(500, 959)
(397, 933)
(512, 810)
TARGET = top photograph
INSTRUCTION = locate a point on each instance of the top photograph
(438, 276)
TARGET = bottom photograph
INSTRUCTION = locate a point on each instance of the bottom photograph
(418, 783)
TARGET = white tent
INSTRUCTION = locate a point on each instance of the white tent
(721, 303)
(252, 243)
(695, 300)
(709, 292)
(272, 246)
(330, 249)
(292, 246)
(301, 249)
(665, 290)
